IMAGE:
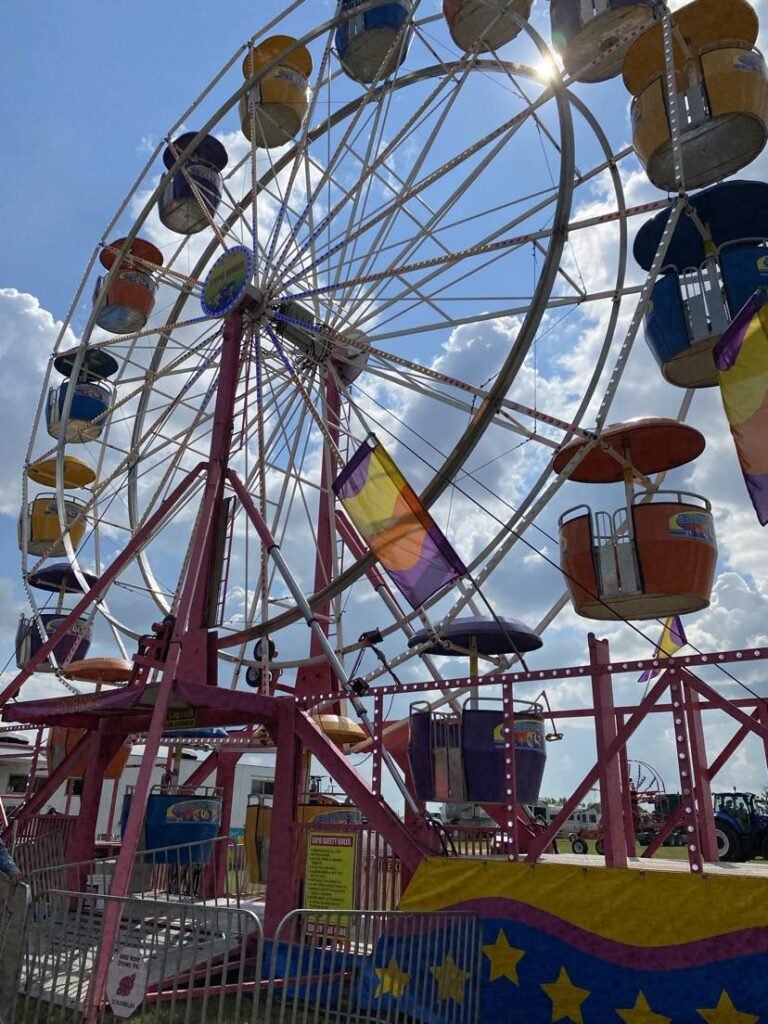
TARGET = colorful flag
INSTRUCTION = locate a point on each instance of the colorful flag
(741, 356)
(395, 524)
(671, 640)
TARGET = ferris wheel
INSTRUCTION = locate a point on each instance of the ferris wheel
(399, 196)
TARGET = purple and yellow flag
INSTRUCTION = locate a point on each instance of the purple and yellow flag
(671, 640)
(741, 356)
(395, 524)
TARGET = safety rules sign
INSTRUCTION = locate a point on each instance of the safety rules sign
(329, 883)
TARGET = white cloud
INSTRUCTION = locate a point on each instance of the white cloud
(27, 337)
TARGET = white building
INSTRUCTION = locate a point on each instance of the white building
(17, 756)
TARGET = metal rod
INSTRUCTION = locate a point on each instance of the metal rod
(309, 617)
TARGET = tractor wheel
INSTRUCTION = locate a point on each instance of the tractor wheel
(579, 845)
(600, 846)
(728, 843)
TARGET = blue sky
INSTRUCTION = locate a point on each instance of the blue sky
(88, 90)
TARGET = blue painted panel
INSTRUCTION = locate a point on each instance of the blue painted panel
(206, 180)
(665, 328)
(566, 19)
(173, 820)
(392, 16)
(88, 402)
(744, 271)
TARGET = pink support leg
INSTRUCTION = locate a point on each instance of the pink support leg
(511, 829)
(627, 798)
(225, 781)
(701, 787)
(283, 872)
(608, 763)
(684, 762)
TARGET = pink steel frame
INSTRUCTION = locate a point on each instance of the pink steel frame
(191, 657)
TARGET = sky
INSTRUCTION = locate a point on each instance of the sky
(87, 93)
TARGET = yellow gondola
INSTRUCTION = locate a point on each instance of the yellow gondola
(279, 99)
(722, 94)
(76, 473)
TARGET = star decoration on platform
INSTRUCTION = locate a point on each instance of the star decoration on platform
(726, 1013)
(392, 980)
(450, 980)
(566, 998)
(504, 958)
(641, 1013)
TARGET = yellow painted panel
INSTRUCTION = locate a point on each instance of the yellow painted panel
(736, 82)
(650, 127)
(639, 908)
(700, 24)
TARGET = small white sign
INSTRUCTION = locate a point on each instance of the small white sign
(126, 982)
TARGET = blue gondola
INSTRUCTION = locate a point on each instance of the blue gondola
(87, 413)
(592, 36)
(71, 646)
(717, 257)
(454, 757)
(374, 44)
(178, 207)
(478, 25)
(92, 398)
(60, 578)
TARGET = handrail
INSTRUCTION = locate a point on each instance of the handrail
(575, 508)
(672, 497)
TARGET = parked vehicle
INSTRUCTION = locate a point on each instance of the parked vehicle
(741, 826)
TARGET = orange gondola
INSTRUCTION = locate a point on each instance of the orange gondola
(125, 306)
(656, 555)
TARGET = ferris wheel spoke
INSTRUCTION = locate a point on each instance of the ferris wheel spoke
(334, 214)
(297, 162)
(496, 139)
(362, 194)
(399, 210)
(396, 207)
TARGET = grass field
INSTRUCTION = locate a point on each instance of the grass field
(669, 852)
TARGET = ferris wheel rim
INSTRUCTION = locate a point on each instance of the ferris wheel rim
(347, 578)
(543, 289)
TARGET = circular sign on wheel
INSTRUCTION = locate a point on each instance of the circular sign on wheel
(227, 280)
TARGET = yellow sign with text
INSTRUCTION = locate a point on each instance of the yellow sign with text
(329, 881)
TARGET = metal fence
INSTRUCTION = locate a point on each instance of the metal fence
(14, 914)
(351, 967)
(191, 963)
(40, 841)
(170, 962)
(192, 871)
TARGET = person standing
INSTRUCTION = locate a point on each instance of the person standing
(8, 866)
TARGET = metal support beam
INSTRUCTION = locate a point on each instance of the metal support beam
(609, 771)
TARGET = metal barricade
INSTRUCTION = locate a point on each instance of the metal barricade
(339, 967)
(192, 871)
(14, 915)
(170, 962)
(39, 844)
(475, 841)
